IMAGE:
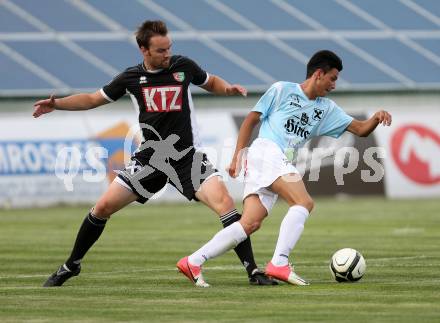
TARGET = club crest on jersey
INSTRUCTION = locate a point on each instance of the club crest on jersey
(179, 76)
(317, 114)
(304, 119)
(142, 80)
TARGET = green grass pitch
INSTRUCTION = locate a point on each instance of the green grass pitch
(130, 275)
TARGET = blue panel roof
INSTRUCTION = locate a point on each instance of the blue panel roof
(430, 43)
(350, 61)
(259, 13)
(19, 77)
(402, 58)
(9, 22)
(263, 40)
(331, 15)
(200, 15)
(119, 54)
(130, 16)
(431, 6)
(214, 63)
(395, 14)
(268, 58)
(62, 63)
(60, 15)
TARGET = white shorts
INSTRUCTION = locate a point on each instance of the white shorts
(265, 162)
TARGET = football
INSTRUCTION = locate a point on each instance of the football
(347, 265)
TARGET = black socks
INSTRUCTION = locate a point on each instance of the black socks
(88, 233)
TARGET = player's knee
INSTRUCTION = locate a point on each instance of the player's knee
(255, 226)
(251, 226)
(226, 199)
(103, 210)
(305, 201)
(222, 202)
(308, 203)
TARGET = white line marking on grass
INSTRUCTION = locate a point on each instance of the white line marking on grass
(368, 259)
(418, 282)
(398, 258)
(23, 276)
(304, 265)
(408, 231)
(404, 265)
(219, 268)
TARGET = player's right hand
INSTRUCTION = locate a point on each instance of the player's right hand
(236, 89)
(234, 167)
(44, 106)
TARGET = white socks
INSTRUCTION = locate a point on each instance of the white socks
(224, 240)
(291, 228)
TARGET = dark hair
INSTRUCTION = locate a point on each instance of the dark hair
(325, 60)
(148, 29)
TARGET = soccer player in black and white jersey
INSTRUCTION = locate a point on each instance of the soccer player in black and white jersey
(169, 149)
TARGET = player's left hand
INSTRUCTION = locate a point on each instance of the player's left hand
(236, 89)
(383, 117)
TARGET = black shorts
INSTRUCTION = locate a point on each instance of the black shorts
(145, 177)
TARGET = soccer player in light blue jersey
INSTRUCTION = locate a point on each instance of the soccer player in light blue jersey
(290, 114)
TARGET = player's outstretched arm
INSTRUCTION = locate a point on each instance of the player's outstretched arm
(217, 85)
(244, 136)
(77, 102)
(364, 128)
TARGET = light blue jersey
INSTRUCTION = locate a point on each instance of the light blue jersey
(289, 118)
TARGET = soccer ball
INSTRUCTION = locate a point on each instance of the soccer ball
(347, 265)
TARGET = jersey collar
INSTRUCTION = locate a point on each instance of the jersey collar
(151, 71)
